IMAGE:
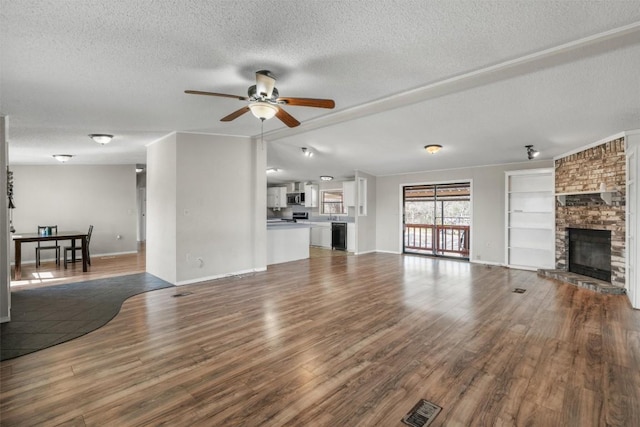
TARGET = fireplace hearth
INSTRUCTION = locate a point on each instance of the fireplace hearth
(589, 253)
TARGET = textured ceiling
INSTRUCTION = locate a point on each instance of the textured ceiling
(483, 78)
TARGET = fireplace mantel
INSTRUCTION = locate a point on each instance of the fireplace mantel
(606, 196)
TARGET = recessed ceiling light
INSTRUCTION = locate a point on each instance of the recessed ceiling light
(273, 170)
(62, 158)
(326, 178)
(307, 152)
(433, 148)
(101, 138)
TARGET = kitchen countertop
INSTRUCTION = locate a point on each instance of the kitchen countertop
(283, 225)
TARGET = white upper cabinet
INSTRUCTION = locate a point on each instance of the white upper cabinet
(349, 193)
(311, 196)
(277, 197)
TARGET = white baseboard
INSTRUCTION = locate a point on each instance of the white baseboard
(113, 254)
(477, 261)
(94, 256)
(388, 252)
(365, 252)
(220, 276)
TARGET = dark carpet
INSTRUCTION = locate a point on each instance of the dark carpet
(51, 315)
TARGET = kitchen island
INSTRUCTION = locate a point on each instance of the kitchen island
(287, 241)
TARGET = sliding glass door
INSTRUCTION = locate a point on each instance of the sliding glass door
(437, 219)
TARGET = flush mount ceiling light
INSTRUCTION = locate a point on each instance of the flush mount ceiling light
(531, 152)
(62, 158)
(101, 138)
(263, 110)
(307, 152)
(433, 148)
(325, 178)
(273, 170)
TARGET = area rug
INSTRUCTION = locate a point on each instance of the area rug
(51, 315)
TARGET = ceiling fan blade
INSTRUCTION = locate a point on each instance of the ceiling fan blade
(224, 95)
(265, 82)
(235, 114)
(287, 118)
(308, 102)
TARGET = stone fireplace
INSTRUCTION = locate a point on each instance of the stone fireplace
(591, 185)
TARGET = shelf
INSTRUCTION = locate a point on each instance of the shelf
(520, 227)
(530, 215)
(550, 193)
(531, 248)
(604, 195)
(531, 212)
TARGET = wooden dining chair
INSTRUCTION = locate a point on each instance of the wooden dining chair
(69, 249)
(51, 244)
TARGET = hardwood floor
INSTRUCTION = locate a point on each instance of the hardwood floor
(49, 273)
(344, 341)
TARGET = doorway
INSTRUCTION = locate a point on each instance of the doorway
(437, 219)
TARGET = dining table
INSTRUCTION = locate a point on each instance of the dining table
(20, 238)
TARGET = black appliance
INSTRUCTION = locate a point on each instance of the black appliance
(295, 198)
(339, 236)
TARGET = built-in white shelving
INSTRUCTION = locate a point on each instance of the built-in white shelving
(530, 219)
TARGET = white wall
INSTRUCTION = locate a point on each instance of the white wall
(74, 197)
(218, 219)
(161, 208)
(5, 271)
(366, 225)
(487, 233)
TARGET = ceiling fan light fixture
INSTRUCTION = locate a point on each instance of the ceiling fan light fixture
(62, 158)
(433, 148)
(532, 153)
(265, 83)
(101, 138)
(326, 178)
(263, 110)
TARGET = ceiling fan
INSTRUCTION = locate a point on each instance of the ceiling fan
(265, 101)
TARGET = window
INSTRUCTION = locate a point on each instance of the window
(332, 203)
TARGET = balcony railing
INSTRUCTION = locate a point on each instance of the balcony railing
(441, 239)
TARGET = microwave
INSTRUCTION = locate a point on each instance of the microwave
(295, 198)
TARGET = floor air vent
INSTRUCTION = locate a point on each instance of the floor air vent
(422, 414)
(519, 290)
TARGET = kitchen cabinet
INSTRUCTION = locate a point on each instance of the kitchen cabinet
(321, 234)
(311, 196)
(277, 197)
(530, 219)
(351, 237)
(349, 193)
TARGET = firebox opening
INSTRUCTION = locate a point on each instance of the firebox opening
(590, 253)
